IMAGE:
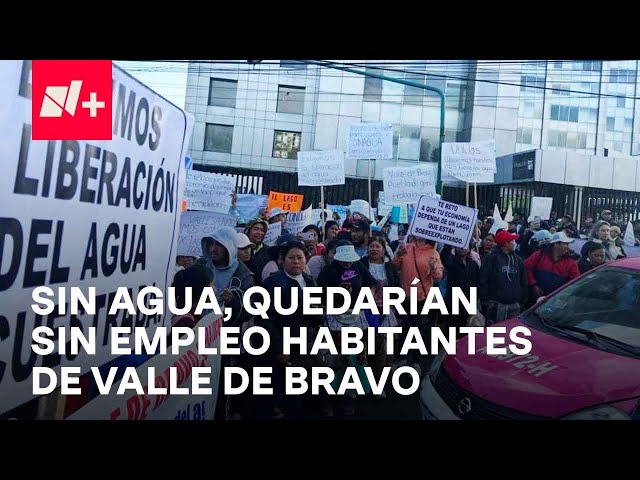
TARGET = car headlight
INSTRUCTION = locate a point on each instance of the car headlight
(603, 412)
(436, 364)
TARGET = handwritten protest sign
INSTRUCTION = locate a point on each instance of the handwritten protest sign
(370, 140)
(273, 232)
(195, 225)
(209, 191)
(298, 220)
(289, 202)
(404, 185)
(321, 168)
(469, 162)
(443, 222)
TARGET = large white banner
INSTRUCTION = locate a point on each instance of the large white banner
(370, 141)
(405, 185)
(209, 191)
(132, 406)
(443, 222)
(101, 214)
(195, 225)
(321, 168)
(470, 162)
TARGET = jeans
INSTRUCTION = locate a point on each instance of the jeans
(497, 312)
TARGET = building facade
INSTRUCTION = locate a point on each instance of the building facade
(575, 113)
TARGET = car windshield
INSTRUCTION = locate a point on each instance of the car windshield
(605, 302)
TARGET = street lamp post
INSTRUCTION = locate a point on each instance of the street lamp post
(439, 92)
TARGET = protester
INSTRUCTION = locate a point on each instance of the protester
(274, 252)
(256, 230)
(462, 272)
(601, 232)
(385, 272)
(539, 240)
(346, 271)
(488, 244)
(245, 248)
(586, 228)
(317, 263)
(197, 278)
(593, 255)
(551, 267)
(502, 287)
(310, 236)
(278, 215)
(293, 259)
(358, 226)
(183, 262)
(232, 277)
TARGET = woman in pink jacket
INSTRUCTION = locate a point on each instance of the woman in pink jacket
(418, 259)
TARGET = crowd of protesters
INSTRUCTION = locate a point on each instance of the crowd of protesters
(511, 268)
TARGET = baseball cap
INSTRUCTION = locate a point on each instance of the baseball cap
(242, 241)
(276, 211)
(503, 237)
(560, 237)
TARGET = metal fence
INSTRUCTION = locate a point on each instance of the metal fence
(579, 202)
(261, 182)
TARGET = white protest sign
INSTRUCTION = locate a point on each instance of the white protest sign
(132, 406)
(370, 141)
(209, 191)
(383, 207)
(296, 221)
(196, 225)
(321, 168)
(469, 162)
(629, 236)
(443, 222)
(273, 232)
(541, 207)
(404, 185)
(101, 214)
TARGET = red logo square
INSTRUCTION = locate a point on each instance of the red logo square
(71, 100)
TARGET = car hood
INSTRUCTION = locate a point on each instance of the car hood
(557, 377)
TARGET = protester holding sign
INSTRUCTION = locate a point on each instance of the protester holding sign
(462, 272)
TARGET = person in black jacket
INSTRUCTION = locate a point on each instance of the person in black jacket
(463, 272)
(291, 279)
(593, 255)
(503, 289)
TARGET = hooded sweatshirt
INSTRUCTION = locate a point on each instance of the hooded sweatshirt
(503, 278)
(235, 275)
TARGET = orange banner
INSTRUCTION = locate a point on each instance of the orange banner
(289, 202)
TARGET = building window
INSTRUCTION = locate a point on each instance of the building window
(530, 83)
(290, 99)
(286, 144)
(293, 64)
(222, 93)
(218, 138)
(409, 143)
(582, 140)
(611, 124)
(456, 96)
(620, 102)
(552, 139)
(524, 135)
(619, 75)
(593, 65)
(414, 95)
(564, 113)
(372, 87)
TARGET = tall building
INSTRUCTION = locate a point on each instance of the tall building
(573, 114)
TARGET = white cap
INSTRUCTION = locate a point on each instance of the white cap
(242, 241)
(346, 253)
(561, 237)
(276, 211)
